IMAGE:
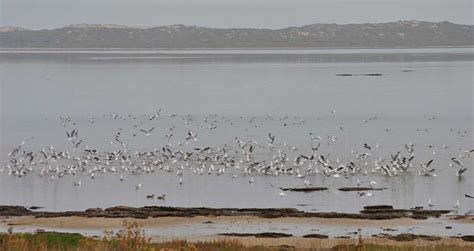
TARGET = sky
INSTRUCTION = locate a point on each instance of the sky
(47, 14)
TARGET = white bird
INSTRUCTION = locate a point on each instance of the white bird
(137, 187)
(368, 194)
(461, 171)
(77, 183)
(373, 183)
(456, 206)
(430, 204)
(281, 193)
(457, 162)
(307, 183)
(251, 180)
(121, 178)
(180, 181)
(147, 132)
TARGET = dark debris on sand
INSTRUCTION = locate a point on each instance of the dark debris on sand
(369, 213)
(258, 235)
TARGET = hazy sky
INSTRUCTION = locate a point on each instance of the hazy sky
(37, 14)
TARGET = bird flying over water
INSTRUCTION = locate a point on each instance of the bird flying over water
(147, 132)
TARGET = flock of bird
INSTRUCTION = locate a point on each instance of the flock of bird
(242, 158)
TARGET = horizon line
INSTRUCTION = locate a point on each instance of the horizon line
(124, 26)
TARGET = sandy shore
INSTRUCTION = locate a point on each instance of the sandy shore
(100, 223)
(73, 222)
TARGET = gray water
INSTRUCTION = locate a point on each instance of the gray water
(424, 96)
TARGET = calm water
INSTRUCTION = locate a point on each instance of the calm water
(424, 96)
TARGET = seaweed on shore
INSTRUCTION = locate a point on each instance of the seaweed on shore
(258, 235)
(304, 189)
(382, 212)
(359, 189)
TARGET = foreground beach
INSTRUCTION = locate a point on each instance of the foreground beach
(131, 237)
(214, 227)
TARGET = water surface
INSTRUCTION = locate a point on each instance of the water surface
(424, 96)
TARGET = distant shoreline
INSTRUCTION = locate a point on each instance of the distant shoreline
(401, 34)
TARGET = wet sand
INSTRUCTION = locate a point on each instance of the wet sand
(74, 222)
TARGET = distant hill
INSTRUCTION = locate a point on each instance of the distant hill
(393, 34)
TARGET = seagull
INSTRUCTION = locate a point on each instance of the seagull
(461, 171)
(456, 206)
(307, 183)
(154, 116)
(368, 194)
(137, 187)
(76, 144)
(314, 149)
(457, 162)
(17, 149)
(271, 139)
(72, 135)
(281, 193)
(467, 152)
(430, 204)
(147, 132)
(77, 183)
(191, 136)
